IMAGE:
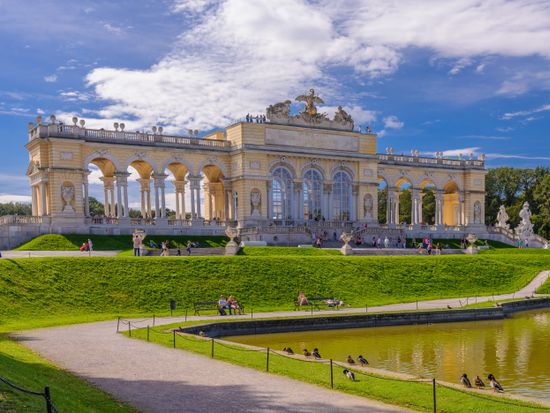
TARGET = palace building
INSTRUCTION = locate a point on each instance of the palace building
(268, 175)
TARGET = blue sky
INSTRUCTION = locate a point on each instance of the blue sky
(459, 76)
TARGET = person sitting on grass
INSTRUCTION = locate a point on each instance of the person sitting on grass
(222, 305)
(302, 299)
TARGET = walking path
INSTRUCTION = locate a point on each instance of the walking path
(158, 379)
(42, 254)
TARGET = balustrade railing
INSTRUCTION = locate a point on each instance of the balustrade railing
(417, 160)
(73, 131)
(20, 219)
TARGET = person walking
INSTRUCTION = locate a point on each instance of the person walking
(189, 247)
(137, 242)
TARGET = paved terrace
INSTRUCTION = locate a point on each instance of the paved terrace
(158, 379)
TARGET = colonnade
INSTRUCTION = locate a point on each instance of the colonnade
(39, 198)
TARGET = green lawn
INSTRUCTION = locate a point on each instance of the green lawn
(285, 251)
(410, 394)
(67, 242)
(41, 292)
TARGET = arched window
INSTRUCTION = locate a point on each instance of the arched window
(313, 195)
(281, 194)
(341, 196)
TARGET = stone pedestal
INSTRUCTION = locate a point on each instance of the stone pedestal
(232, 248)
(346, 250)
(471, 250)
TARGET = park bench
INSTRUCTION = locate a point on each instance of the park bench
(316, 303)
(211, 306)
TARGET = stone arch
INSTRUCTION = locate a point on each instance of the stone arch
(344, 168)
(427, 181)
(101, 155)
(403, 199)
(142, 163)
(212, 162)
(316, 167)
(174, 160)
(452, 203)
(285, 165)
(403, 178)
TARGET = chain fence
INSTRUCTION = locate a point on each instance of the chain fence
(46, 394)
(332, 365)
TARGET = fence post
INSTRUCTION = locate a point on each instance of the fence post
(331, 376)
(186, 315)
(212, 351)
(48, 398)
(267, 360)
(251, 313)
(366, 308)
(435, 397)
(129, 329)
(118, 324)
(174, 338)
(153, 320)
(147, 332)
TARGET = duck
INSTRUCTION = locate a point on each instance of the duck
(316, 353)
(307, 353)
(478, 382)
(362, 360)
(495, 385)
(465, 381)
(288, 350)
(349, 374)
(449, 307)
(350, 360)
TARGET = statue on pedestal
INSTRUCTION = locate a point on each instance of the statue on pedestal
(525, 228)
(346, 237)
(502, 218)
(231, 248)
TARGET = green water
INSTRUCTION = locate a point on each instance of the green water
(515, 350)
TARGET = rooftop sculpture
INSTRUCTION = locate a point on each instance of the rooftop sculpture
(310, 116)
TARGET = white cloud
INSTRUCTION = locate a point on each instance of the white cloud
(508, 156)
(486, 137)
(480, 68)
(392, 122)
(15, 198)
(456, 152)
(526, 113)
(459, 65)
(50, 78)
(240, 56)
(522, 82)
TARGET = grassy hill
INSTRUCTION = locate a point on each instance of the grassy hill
(64, 288)
(68, 242)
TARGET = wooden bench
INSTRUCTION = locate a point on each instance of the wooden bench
(212, 306)
(316, 303)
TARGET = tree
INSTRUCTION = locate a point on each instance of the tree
(382, 205)
(405, 206)
(428, 206)
(541, 195)
(96, 207)
(15, 208)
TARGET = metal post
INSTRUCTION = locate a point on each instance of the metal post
(417, 305)
(311, 309)
(251, 313)
(186, 315)
(212, 351)
(147, 332)
(174, 338)
(331, 376)
(47, 396)
(117, 324)
(267, 360)
(129, 329)
(435, 398)
(366, 308)
(153, 320)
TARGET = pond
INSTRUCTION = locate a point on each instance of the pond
(516, 350)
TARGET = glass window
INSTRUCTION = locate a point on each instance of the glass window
(341, 196)
(281, 194)
(313, 195)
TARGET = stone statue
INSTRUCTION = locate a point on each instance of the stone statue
(477, 213)
(341, 116)
(502, 218)
(368, 206)
(525, 228)
(255, 202)
(279, 110)
(231, 248)
(346, 249)
(310, 101)
(67, 195)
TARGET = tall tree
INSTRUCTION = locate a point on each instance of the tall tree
(382, 205)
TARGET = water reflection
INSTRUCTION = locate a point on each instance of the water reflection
(515, 350)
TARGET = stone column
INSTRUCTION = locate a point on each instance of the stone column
(193, 204)
(235, 198)
(390, 206)
(298, 203)
(34, 204)
(269, 200)
(160, 200)
(145, 189)
(179, 187)
(112, 210)
(439, 207)
(119, 210)
(108, 192)
(396, 218)
(86, 199)
(415, 203)
(126, 209)
(328, 197)
(460, 220)
(354, 197)
(198, 198)
(209, 187)
(43, 202)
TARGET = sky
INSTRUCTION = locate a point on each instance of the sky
(458, 76)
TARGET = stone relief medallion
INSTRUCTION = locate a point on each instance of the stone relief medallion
(67, 196)
(368, 205)
(255, 202)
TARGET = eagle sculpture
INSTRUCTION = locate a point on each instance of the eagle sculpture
(310, 101)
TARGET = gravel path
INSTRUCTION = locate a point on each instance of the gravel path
(158, 379)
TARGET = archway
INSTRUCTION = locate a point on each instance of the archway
(312, 188)
(452, 204)
(427, 199)
(177, 198)
(403, 199)
(214, 195)
(341, 196)
(98, 188)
